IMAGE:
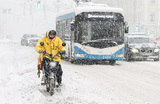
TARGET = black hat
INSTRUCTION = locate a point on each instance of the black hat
(52, 32)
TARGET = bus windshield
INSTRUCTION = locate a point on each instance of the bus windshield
(93, 30)
(109, 26)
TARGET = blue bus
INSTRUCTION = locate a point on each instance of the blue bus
(93, 32)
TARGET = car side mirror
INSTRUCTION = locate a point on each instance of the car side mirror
(42, 43)
(63, 44)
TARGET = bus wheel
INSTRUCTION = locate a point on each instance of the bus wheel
(112, 62)
(128, 58)
(72, 61)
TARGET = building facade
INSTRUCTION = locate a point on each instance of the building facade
(141, 15)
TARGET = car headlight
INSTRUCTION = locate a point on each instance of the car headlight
(156, 50)
(52, 64)
(28, 40)
(79, 55)
(134, 50)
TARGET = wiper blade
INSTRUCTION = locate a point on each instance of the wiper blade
(100, 40)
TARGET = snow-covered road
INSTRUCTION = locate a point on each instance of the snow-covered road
(124, 83)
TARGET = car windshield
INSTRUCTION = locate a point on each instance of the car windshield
(139, 40)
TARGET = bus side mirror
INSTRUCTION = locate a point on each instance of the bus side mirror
(126, 27)
(42, 44)
(72, 26)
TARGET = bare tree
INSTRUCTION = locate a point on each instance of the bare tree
(85, 0)
(88, 0)
(77, 1)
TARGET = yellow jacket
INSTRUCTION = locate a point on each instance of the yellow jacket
(51, 46)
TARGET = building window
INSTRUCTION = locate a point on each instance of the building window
(152, 17)
(153, 1)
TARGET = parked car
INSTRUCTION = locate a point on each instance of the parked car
(29, 40)
(157, 42)
(140, 47)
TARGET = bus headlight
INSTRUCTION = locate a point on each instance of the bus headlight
(119, 55)
(156, 50)
(134, 50)
(79, 55)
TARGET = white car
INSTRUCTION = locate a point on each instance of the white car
(29, 40)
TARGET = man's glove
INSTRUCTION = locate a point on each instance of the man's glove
(62, 52)
(38, 73)
(41, 51)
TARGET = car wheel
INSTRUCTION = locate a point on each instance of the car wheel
(157, 59)
(22, 43)
(72, 61)
(144, 59)
(26, 44)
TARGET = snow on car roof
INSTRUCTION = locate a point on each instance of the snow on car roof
(137, 34)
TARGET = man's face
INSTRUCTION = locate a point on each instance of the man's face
(52, 36)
